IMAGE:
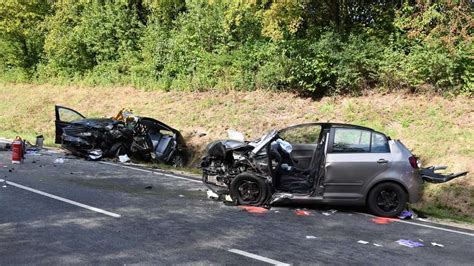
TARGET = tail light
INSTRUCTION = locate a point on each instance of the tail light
(413, 162)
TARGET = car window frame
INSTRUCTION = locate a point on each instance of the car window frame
(284, 130)
(386, 141)
(333, 133)
(58, 115)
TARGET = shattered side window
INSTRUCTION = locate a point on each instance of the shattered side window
(67, 115)
(351, 140)
(306, 134)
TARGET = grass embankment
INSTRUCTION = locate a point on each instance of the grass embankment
(439, 130)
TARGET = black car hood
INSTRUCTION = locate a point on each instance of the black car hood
(96, 122)
(233, 144)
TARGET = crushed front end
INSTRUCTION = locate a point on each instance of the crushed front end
(223, 161)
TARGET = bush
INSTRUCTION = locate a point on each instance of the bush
(83, 39)
(313, 47)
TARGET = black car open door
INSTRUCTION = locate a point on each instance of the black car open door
(64, 117)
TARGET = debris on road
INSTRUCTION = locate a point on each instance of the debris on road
(377, 245)
(302, 212)
(363, 242)
(212, 195)
(383, 220)
(124, 158)
(228, 198)
(434, 244)
(311, 237)
(409, 243)
(94, 155)
(405, 215)
(149, 187)
(253, 209)
(329, 212)
(33, 153)
(59, 161)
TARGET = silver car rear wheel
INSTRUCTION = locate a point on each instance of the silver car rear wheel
(387, 199)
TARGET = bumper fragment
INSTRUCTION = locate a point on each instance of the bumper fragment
(429, 174)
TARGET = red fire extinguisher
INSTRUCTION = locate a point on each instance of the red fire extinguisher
(17, 150)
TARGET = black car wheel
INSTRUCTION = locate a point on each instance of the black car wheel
(387, 200)
(248, 189)
(178, 160)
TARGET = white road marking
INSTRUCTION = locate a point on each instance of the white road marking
(154, 172)
(423, 225)
(258, 257)
(197, 181)
(438, 228)
(62, 199)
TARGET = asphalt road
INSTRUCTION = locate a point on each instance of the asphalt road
(123, 222)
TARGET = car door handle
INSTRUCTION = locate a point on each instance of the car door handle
(382, 161)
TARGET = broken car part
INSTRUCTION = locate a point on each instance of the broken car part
(409, 243)
(329, 163)
(142, 138)
(429, 175)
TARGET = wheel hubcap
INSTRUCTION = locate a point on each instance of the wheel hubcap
(387, 200)
(177, 161)
(249, 191)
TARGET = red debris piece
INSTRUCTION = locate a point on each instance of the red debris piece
(253, 209)
(302, 213)
(383, 220)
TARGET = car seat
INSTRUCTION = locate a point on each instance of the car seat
(164, 146)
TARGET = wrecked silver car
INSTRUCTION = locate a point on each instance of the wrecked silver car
(139, 137)
(319, 163)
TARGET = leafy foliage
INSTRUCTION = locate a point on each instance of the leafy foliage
(316, 47)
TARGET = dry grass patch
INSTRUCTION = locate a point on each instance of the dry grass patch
(438, 129)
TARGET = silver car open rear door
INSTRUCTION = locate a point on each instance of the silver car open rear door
(429, 174)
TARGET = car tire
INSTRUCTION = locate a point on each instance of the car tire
(387, 199)
(248, 189)
(178, 160)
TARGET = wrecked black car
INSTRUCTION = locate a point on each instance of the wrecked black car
(126, 134)
(318, 163)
